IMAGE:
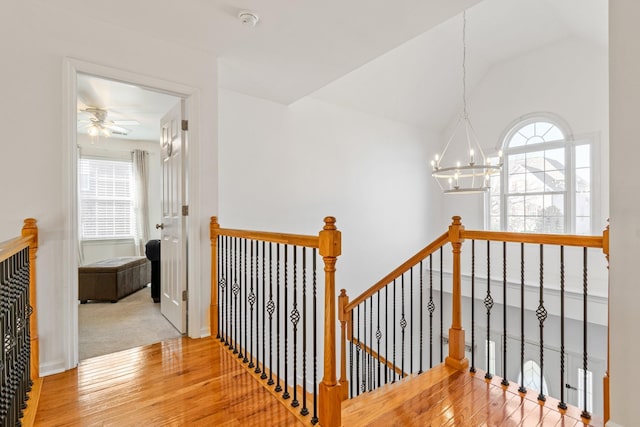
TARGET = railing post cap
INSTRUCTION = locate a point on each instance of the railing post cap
(456, 219)
(329, 223)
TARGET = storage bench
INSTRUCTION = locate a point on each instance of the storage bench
(112, 279)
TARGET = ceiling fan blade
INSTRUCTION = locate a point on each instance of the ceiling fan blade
(117, 130)
(126, 122)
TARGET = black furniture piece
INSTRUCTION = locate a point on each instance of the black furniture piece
(152, 250)
(112, 279)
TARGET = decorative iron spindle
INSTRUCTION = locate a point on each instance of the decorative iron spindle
(541, 314)
(286, 394)
(278, 388)
(386, 333)
(504, 381)
(421, 325)
(228, 338)
(236, 289)
(378, 337)
(585, 412)
(358, 350)
(488, 304)
(246, 343)
(304, 410)
(522, 388)
(562, 404)
(431, 306)
(219, 279)
(263, 376)
(394, 332)
(270, 309)
(472, 369)
(314, 418)
(252, 301)
(411, 320)
(370, 360)
(295, 318)
(363, 385)
(351, 382)
(441, 305)
(403, 326)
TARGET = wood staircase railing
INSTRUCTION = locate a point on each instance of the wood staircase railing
(366, 355)
(19, 361)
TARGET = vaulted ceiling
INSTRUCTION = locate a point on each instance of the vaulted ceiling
(389, 59)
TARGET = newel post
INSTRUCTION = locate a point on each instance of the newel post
(213, 309)
(456, 358)
(31, 229)
(330, 394)
(345, 328)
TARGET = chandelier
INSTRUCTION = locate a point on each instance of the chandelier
(463, 167)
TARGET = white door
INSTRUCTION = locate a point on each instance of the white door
(173, 281)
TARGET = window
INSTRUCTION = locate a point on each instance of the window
(531, 378)
(545, 182)
(106, 199)
(581, 390)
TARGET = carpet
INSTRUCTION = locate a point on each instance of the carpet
(133, 321)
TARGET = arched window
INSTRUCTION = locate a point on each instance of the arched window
(545, 182)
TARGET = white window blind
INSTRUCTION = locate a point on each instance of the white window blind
(106, 199)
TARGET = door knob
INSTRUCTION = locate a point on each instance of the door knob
(160, 226)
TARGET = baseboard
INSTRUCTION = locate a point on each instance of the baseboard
(613, 424)
(32, 404)
(204, 332)
(52, 368)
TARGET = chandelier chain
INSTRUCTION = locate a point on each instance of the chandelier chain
(464, 64)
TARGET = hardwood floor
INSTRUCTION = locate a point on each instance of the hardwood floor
(174, 383)
(444, 396)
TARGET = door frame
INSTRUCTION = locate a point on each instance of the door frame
(69, 287)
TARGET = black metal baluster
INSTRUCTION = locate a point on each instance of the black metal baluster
(295, 317)
(378, 337)
(585, 413)
(246, 343)
(358, 351)
(286, 395)
(270, 309)
(304, 410)
(431, 306)
(264, 314)
(236, 289)
(223, 285)
(219, 279)
(403, 326)
(314, 418)
(227, 281)
(351, 382)
(421, 318)
(488, 303)
(441, 307)
(278, 388)
(522, 388)
(504, 381)
(363, 385)
(541, 314)
(472, 369)
(370, 356)
(394, 332)
(411, 321)
(386, 333)
(252, 301)
(562, 405)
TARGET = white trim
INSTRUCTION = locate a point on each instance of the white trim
(191, 95)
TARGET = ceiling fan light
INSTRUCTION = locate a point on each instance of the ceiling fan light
(93, 130)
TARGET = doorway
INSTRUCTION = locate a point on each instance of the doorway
(123, 131)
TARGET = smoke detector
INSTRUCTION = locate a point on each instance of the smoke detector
(248, 18)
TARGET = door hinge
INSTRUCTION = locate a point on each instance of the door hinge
(185, 125)
(184, 295)
(185, 210)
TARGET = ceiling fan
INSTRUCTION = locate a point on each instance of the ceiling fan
(98, 125)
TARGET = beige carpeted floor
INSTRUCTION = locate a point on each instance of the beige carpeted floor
(131, 322)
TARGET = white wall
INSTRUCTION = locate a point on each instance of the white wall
(624, 293)
(569, 79)
(285, 168)
(34, 43)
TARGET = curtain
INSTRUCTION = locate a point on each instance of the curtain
(141, 199)
(78, 216)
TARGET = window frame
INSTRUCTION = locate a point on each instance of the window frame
(570, 144)
(132, 218)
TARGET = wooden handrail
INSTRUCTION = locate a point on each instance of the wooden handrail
(10, 247)
(543, 239)
(422, 254)
(267, 236)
